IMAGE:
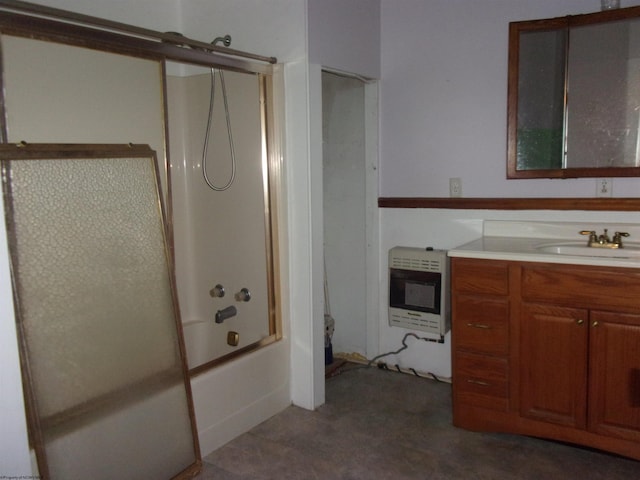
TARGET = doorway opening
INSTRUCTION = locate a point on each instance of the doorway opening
(350, 220)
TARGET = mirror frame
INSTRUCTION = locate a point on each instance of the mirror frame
(569, 21)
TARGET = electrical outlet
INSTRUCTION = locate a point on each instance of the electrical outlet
(455, 187)
(604, 187)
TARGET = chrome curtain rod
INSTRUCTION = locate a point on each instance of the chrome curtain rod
(18, 6)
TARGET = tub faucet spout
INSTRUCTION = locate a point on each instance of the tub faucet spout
(225, 313)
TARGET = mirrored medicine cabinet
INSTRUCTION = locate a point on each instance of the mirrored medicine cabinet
(574, 96)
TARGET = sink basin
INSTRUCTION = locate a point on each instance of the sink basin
(582, 250)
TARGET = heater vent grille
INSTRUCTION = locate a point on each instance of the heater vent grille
(407, 258)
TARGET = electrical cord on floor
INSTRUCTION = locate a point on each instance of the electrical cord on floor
(431, 375)
(404, 347)
(383, 366)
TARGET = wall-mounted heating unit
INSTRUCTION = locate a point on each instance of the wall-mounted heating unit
(419, 289)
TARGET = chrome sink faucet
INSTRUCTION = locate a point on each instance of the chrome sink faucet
(603, 241)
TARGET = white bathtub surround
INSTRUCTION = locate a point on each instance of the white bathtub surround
(220, 237)
(234, 397)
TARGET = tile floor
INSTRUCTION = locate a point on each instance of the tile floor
(380, 424)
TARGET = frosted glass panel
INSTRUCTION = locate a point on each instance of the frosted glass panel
(604, 98)
(97, 313)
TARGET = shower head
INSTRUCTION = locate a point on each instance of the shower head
(226, 40)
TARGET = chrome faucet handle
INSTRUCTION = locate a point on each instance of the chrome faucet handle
(617, 237)
(244, 295)
(217, 291)
(593, 238)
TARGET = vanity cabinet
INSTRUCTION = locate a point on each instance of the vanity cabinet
(549, 350)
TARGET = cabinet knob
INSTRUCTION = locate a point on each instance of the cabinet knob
(579, 321)
(595, 323)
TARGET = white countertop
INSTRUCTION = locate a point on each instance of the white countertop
(521, 241)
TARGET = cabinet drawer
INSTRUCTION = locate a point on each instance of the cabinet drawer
(481, 324)
(577, 285)
(479, 276)
(481, 380)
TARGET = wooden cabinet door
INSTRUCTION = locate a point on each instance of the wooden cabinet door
(553, 364)
(614, 375)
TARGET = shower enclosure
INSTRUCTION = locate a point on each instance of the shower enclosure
(223, 235)
(221, 238)
(103, 88)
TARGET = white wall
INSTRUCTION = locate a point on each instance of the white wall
(345, 35)
(161, 15)
(270, 28)
(444, 99)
